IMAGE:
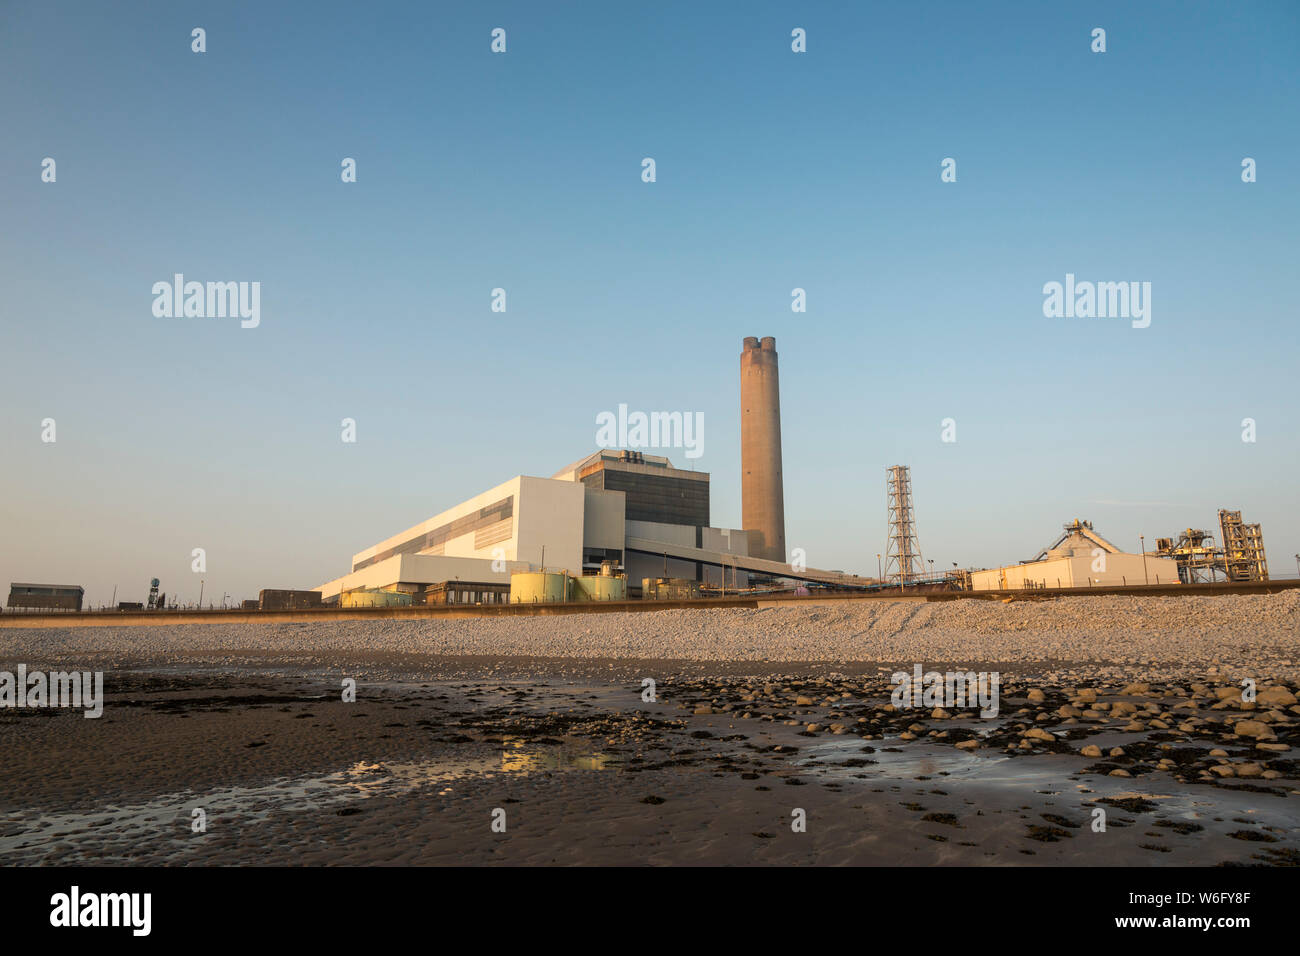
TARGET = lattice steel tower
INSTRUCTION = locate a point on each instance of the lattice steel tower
(903, 562)
(1243, 548)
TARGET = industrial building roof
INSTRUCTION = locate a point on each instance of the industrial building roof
(568, 472)
(1076, 536)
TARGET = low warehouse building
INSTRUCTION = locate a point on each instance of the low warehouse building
(280, 599)
(467, 592)
(1079, 558)
(48, 597)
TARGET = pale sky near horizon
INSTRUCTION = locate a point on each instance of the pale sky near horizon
(522, 170)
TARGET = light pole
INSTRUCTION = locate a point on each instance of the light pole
(880, 574)
(931, 560)
(1297, 565)
(1143, 540)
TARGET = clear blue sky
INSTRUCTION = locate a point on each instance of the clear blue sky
(522, 170)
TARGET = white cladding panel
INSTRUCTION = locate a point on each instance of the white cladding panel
(549, 514)
(462, 546)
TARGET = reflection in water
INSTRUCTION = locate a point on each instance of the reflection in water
(370, 779)
(522, 755)
(990, 772)
(34, 833)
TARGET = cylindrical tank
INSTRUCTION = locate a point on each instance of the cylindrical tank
(600, 587)
(374, 599)
(538, 587)
(762, 491)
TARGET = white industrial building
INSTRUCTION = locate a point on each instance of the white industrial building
(1079, 558)
(637, 511)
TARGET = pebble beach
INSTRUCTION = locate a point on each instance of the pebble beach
(679, 736)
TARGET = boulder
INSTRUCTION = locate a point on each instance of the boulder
(1275, 697)
(1253, 728)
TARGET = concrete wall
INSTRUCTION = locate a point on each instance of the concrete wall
(603, 522)
(652, 566)
(730, 541)
(1019, 575)
(549, 513)
(762, 484)
(1124, 568)
(682, 534)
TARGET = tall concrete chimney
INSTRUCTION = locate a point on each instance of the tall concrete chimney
(762, 493)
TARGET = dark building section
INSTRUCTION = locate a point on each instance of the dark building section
(669, 589)
(593, 558)
(286, 600)
(56, 597)
(655, 490)
(467, 592)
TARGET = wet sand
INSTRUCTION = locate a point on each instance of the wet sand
(713, 771)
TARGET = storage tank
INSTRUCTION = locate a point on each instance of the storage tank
(600, 587)
(539, 587)
(374, 599)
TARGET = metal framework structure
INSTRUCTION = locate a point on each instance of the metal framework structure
(1196, 554)
(903, 563)
(1243, 548)
(1241, 558)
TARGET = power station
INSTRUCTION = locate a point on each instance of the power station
(613, 514)
(618, 524)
